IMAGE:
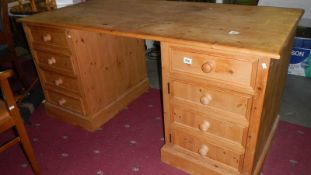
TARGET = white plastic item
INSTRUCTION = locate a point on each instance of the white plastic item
(64, 3)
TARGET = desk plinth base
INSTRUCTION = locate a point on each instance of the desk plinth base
(186, 161)
(91, 123)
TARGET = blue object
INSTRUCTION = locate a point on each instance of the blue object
(300, 62)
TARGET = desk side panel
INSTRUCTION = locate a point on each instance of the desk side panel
(269, 118)
(110, 67)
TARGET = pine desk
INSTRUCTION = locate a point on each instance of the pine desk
(223, 71)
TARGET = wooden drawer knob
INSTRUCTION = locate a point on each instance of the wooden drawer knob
(58, 82)
(204, 126)
(51, 61)
(62, 102)
(207, 67)
(47, 37)
(203, 150)
(206, 99)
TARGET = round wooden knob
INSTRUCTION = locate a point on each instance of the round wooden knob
(51, 61)
(203, 150)
(206, 99)
(62, 102)
(47, 37)
(58, 82)
(204, 126)
(207, 67)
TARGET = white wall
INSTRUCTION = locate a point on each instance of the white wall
(63, 3)
(303, 4)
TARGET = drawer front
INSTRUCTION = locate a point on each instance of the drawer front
(70, 103)
(211, 98)
(213, 67)
(55, 61)
(202, 147)
(59, 81)
(49, 36)
(208, 124)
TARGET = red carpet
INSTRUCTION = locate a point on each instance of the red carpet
(130, 144)
(290, 152)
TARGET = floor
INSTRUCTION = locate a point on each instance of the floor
(296, 100)
(130, 143)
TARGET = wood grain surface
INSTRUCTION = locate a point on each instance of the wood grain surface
(261, 29)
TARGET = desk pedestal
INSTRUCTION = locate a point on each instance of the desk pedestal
(87, 77)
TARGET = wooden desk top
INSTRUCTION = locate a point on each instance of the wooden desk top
(262, 30)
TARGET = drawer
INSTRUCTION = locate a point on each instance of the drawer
(49, 36)
(202, 147)
(59, 81)
(212, 98)
(207, 66)
(70, 103)
(208, 124)
(55, 61)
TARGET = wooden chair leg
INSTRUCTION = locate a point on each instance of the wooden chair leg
(19, 125)
(25, 142)
(17, 120)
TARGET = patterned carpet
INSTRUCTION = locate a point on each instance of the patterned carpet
(130, 143)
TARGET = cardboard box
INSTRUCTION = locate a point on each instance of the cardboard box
(300, 63)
